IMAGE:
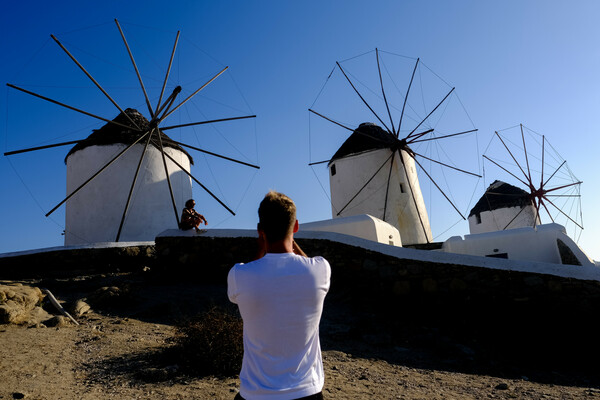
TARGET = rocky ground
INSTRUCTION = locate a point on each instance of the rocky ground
(123, 348)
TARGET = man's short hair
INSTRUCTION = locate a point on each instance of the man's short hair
(189, 203)
(276, 215)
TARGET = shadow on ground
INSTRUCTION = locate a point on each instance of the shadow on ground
(497, 341)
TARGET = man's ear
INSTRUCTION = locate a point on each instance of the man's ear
(296, 226)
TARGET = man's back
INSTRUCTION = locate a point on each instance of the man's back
(280, 298)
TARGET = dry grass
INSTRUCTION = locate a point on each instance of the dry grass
(211, 344)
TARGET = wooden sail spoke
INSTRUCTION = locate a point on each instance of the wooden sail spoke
(98, 172)
(562, 212)
(345, 127)
(412, 193)
(387, 189)
(216, 155)
(526, 157)
(319, 162)
(366, 183)
(137, 170)
(383, 92)
(438, 187)
(194, 178)
(547, 211)
(513, 218)
(551, 176)
(361, 97)
(193, 94)
(330, 120)
(530, 184)
(447, 165)
(428, 115)
(542, 175)
(500, 166)
(406, 97)
(537, 212)
(136, 70)
(48, 146)
(165, 128)
(71, 108)
(439, 137)
(93, 80)
(168, 102)
(563, 187)
(164, 160)
(162, 91)
(419, 135)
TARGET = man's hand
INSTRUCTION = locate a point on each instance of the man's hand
(262, 246)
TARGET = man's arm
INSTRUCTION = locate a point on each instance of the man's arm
(298, 250)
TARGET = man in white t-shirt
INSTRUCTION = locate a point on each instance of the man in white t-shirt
(280, 297)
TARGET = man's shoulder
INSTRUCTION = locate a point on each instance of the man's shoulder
(318, 259)
(315, 263)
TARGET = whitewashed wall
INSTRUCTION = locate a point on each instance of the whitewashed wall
(352, 172)
(94, 213)
(363, 226)
(498, 219)
(526, 244)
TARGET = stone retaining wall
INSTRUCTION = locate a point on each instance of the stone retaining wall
(71, 262)
(533, 317)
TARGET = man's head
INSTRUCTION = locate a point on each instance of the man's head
(276, 216)
(190, 203)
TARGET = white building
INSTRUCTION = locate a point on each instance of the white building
(94, 213)
(363, 226)
(361, 183)
(502, 207)
(546, 243)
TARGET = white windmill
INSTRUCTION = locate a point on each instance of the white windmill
(545, 189)
(129, 157)
(374, 171)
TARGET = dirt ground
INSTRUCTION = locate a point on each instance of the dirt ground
(119, 351)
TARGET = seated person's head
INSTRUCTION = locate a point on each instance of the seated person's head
(190, 203)
(277, 216)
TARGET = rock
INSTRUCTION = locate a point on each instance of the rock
(79, 308)
(502, 386)
(58, 321)
(37, 316)
(107, 296)
(17, 302)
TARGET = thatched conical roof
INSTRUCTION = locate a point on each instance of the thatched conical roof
(366, 137)
(110, 134)
(501, 195)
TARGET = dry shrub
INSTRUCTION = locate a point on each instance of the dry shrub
(211, 344)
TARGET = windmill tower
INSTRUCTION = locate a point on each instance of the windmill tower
(94, 215)
(393, 195)
(547, 188)
(128, 180)
(502, 206)
(374, 171)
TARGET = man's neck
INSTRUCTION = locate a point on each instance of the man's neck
(282, 246)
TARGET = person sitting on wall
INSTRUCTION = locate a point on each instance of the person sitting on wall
(190, 218)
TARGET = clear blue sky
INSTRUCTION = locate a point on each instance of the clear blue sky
(512, 62)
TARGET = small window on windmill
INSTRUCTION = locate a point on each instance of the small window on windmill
(332, 169)
(478, 218)
(401, 188)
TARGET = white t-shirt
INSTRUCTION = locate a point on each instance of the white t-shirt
(280, 298)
